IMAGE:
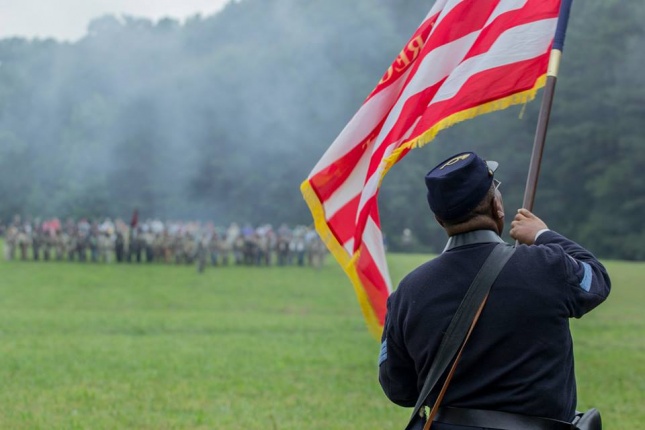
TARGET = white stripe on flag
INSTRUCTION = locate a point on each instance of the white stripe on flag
(362, 124)
(506, 50)
(503, 7)
(446, 10)
(373, 241)
(352, 186)
(433, 68)
(349, 247)
(371, 186)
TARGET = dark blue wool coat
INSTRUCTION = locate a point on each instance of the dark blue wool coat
(519, 358)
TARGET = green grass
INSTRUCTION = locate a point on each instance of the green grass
(610, 351)
(91, 346)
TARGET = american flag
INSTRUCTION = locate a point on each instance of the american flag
(467, 58)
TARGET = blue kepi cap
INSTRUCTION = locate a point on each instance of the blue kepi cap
(457, 185)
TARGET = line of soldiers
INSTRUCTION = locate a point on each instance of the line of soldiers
(151, 241)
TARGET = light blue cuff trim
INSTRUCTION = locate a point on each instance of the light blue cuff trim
(383, 355)
(585, 284)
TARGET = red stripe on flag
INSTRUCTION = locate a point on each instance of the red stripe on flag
(413, 107)
(462, 20)
(328, 180)
(507, 20)
(373, 282)
(370, 208)
(342, 223)
(483, 87)
(406, 57)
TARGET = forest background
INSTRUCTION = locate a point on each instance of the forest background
(221, 117)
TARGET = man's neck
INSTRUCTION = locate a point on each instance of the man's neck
(477, 223)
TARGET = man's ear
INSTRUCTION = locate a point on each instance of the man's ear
(498, 208)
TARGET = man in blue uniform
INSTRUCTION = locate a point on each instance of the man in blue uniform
(519, 359)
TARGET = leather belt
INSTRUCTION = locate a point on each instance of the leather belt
(498, 420)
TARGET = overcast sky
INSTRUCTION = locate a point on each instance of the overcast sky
(68, 19)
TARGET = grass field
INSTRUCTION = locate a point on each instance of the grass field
(90, 346)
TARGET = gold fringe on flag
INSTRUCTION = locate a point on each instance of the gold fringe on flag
(495, 105)
(347, 262)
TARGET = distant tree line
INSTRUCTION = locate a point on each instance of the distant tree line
(223, 116)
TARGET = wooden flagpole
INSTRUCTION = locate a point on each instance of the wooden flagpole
(545, 108)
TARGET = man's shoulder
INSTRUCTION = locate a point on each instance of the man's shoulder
(421, 277)
(422, 270)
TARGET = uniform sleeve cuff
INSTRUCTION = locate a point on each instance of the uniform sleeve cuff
(539, 233)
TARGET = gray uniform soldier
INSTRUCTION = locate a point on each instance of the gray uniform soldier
(36, 239)
(11, 238)
(23, 241)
